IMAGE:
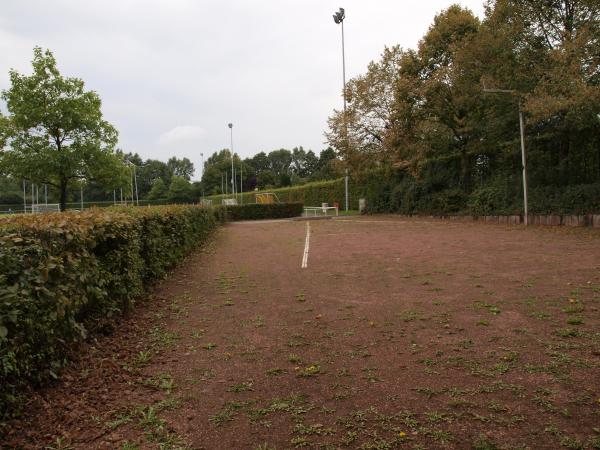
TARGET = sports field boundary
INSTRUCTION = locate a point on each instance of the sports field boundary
(554, 220)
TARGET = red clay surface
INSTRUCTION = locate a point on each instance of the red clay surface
(398, 334)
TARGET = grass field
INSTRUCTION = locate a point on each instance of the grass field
(398, 334)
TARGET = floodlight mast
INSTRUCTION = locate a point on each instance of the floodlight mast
(230, 125)
(523, 153)
(338, 18)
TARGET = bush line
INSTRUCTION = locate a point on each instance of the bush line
(64, 275)
(255, 211)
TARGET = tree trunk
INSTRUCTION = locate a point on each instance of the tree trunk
(63, 195)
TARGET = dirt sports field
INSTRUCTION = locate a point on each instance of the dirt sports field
(398, 334)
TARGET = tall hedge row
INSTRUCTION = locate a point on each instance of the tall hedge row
(399, 192)
(395, 191)
(311, 194)
(253, 211)
(64, 274)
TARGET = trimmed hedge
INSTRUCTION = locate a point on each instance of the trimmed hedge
(311, 194)
(398, 192)
(255, 211)
(65, 274)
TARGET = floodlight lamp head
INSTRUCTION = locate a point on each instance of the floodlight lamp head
(230, 125)
(336, 18)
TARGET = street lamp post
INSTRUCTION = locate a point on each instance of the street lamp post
(523, 153)
(232, 171)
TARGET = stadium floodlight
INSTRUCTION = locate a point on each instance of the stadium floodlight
(523, 154)
(339, 16)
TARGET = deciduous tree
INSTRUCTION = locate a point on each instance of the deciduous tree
(55, 133)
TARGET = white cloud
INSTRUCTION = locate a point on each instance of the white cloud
(186, 134)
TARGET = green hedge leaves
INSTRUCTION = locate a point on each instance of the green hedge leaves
(64, 274)
(255, 211)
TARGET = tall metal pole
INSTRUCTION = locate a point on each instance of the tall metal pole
(137, 199)
(132, 193)
(338, 18)
(344, 69)
(346, 186)
(202, 175)
(232, 171)
(523, 153)
(524, 161)
(24, 197)
(241, 183)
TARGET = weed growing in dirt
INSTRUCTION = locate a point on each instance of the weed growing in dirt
(309, 371)
(241, 387)
(162, 381)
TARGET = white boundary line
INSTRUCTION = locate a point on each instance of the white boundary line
(306, 247)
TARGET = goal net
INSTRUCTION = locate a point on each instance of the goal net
(44, 208)
(266, 198)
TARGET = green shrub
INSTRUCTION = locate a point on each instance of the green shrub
(64, 274)
(255, 211)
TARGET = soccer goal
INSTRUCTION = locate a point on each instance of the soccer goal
(38, 208)
(266, 198)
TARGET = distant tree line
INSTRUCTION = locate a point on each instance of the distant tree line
(278, 168)
(422, 117)
(156, 180)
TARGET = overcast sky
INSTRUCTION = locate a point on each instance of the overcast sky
(173, 73)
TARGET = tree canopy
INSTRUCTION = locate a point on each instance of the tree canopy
(423, 112)
(55, 133)
(278, 168)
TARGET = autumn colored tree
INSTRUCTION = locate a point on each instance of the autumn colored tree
(421, 118)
